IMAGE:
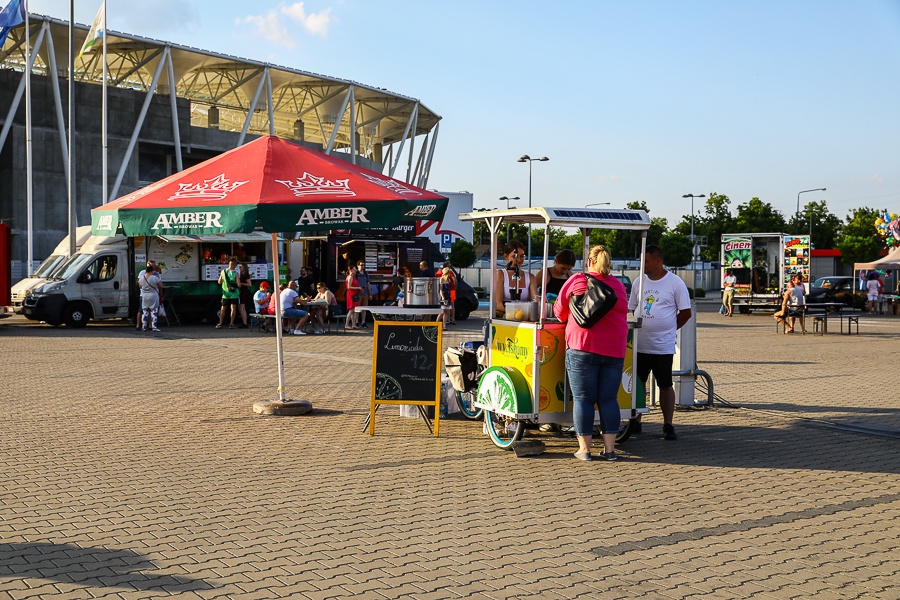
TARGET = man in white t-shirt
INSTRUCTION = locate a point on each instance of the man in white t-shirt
(289, 297)
(665, 307)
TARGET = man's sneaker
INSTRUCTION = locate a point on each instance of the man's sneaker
(669, 432)
(156, 329)
(608, 456)
(219, 326)
(298, 332)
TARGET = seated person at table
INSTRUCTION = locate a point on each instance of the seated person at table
(797, 300)
(289, 297)
(261, 298)
(328, 302)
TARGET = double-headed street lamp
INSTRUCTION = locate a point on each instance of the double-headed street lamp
(798, 204)
(507, 208)
(529, 160)
(693, 241)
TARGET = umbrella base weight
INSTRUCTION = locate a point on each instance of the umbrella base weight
(288, 408)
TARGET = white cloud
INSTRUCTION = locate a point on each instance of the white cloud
(270, 27)
(315, 23)
(273, 26)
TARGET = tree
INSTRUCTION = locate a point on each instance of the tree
(758, 217)
(859, 241)
(462, 254)
(825, 226)
(571, 242)
(676, 248)
(715, 221)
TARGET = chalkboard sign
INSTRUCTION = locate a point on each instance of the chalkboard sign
(406, 368)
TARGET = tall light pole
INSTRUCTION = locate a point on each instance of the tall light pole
(798, 204)
(529, 160)
(693, 241)
(507, 208)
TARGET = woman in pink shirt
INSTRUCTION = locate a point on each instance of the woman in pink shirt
(594, 357)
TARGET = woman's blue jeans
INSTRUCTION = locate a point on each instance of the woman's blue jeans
(594, 380)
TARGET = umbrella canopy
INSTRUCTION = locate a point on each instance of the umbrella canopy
(271, 183)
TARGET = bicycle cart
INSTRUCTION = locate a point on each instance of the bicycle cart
(524, 379)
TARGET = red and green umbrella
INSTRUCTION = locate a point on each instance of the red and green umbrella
(269, 183)
(272, 184)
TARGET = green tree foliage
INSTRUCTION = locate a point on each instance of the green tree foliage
(676, 248)
(462, 254)
(858, 241)
(757, 216)
(826, 227)
(715, 220)
(557, 234)
(571, 242)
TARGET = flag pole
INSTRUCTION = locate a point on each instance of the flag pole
(29, 159)
(71, 182)
(105, 163)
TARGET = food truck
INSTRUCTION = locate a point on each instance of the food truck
(99, 281)
(524, 379)
(763, 264)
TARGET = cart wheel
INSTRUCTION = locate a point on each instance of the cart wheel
(625, 429)
(503, 430)
(466, 402)
(744, 310)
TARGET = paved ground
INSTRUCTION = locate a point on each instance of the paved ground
(131, 466)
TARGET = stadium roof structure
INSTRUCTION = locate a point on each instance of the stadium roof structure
(243, 95)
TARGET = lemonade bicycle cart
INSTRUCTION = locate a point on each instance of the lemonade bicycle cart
(524, 379)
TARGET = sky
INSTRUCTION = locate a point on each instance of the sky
(631, 101)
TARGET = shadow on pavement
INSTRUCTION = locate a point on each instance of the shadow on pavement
(96, 567)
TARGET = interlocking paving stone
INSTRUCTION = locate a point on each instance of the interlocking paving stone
(118, 484)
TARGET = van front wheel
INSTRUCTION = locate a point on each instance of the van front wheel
(77, 316)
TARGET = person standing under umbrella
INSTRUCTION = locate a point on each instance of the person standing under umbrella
(362, 279)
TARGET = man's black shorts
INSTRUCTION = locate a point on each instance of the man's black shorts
(230, 301)
(660, 364)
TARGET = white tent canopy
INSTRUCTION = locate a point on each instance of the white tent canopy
(891, 262)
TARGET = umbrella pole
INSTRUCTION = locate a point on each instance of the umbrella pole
(278, 330)
(280, 405)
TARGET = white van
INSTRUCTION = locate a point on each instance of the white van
(25, 286)
(99, 281)
(92, 283)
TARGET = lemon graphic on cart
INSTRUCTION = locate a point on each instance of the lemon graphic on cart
(504, 395)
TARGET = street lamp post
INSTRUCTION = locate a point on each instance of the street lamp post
(529, 160)
(598, 204)
(507, 208)
(693, 241)
(798, 204)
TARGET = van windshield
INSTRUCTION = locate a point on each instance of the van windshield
(72, 266)
(50, 263)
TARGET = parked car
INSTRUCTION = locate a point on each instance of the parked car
(837, 288)
(466, 300)
(626, 281)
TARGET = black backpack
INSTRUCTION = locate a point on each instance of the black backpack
(591, 306)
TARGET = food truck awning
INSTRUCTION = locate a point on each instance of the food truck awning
(591, 218)
(237, 238)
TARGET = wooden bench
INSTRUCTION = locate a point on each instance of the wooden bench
(261, 322)
(851, 320)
